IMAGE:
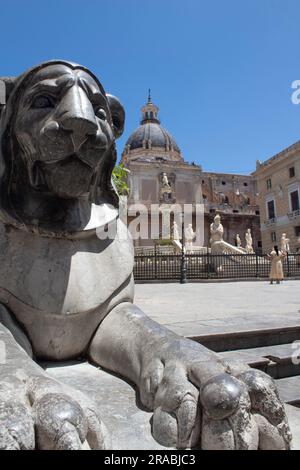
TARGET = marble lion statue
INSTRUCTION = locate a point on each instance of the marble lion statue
(66, 289)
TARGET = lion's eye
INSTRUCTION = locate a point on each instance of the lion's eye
(42, 101)
(100, 112)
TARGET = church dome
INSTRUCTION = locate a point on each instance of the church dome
(151, 139)
(151, 133)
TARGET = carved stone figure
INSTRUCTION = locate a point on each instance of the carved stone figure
(175, 231)
(285, 243)
(238, 240)
(166, 191)
(165, 183)
(66, 290)
(189, 237)
(216, 230)
(249, 242)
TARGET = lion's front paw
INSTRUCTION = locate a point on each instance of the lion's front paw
(65, 418)
(16, 426)
(47, 416)
(236, 410)
(60, 423)
(16, 422)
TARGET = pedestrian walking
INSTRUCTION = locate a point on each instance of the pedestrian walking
(276, 272)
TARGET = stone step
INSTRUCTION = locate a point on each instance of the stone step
(251, 335)
(289, 390)
(278, 360)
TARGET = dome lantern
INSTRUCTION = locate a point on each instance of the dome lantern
(150, 141)
(149, 111)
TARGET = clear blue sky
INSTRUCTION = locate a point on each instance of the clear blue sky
(220, 71)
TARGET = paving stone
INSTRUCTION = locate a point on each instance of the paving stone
(289, 390)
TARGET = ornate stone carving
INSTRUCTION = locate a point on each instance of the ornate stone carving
(66, 290)
(284, 243)
(175, 232)
(167, 185)
(249, 242)
(189, 237)
(216, 230)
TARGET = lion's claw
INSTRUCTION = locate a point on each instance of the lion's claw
(51, 418)
(237, 410)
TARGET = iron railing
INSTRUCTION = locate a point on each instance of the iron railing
(155, 265)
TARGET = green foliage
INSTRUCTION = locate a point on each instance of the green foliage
(163, 242)
(119, 177)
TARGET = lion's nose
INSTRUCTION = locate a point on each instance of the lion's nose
(77, 116)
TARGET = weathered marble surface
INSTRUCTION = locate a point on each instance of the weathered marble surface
(127, 420)
(70, 290)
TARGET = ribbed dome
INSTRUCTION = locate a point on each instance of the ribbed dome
(151, 135)
(151, 141)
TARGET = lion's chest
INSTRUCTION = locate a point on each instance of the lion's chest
(62, 276)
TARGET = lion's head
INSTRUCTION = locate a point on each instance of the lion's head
(58, 131)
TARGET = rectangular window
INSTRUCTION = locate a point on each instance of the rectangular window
(292, 172)
(294, 195)
(273, 236)
(297, 231)
(271, 210)
(269, 183)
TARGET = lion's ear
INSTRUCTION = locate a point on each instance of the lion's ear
(118, 115)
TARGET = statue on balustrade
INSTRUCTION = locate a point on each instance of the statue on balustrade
(216, 230)
(175, 231)
(249, 242)
(285, 243)
(66, 288)
(189, 237)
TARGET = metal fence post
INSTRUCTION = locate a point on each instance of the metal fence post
(183, 278)
(208, 265)
(155, 262)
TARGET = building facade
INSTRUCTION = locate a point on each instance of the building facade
(160, 175)
(278, 186)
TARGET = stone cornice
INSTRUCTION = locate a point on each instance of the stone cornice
(168, 166)
(145, 154)
(276, 159)
(226, 175)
